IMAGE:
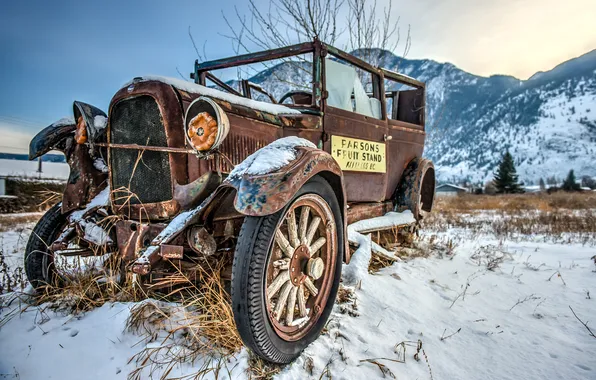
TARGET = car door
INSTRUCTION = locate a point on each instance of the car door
(355, 133)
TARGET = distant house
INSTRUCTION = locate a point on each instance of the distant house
(448, 189)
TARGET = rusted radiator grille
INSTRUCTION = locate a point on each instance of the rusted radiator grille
(139, 176)
(236, 148)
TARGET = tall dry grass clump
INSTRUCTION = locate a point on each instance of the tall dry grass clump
(11, 280)
(198, 329)
(84, 293)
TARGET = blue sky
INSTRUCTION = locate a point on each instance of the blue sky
(53, 52)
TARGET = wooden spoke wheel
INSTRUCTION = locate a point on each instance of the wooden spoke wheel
(299, 269)
(286, 273)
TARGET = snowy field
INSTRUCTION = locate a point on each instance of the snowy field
(49, 170)
(491, 309)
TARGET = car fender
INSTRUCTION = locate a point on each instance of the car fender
(95, 120)
(51, 137)
(265, 194)
(416, 190)
(260, 195)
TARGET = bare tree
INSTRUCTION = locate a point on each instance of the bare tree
(372, 34)
(284, 22)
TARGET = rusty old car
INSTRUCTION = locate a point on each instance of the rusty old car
(180, 173)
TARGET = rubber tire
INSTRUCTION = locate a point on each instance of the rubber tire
(248, 281)
(38, 262)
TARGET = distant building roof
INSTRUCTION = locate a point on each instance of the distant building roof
(450, 187)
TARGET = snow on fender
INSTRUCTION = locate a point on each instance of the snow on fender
(268, 179)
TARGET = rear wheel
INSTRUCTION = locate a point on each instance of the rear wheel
(286, 273)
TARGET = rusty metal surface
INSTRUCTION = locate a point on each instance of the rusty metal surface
(201, 241)
(171, 112)
(146, 147)
(237, 147)
(148, 211)
(51, 137)
(246, 59)
(133, 236)
(360, 186)
(407, 143)
(403, 79)
(267, 194)
(189, 196)
(300, 256)
(257, 115)
(361, 211)
(84, 180)
(222, 84)
(303, 121)
(149, 256)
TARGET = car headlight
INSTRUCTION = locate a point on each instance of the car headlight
(206, 125)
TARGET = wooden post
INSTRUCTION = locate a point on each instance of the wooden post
(39, 166)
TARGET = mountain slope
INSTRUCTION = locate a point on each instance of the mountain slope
(548, 122)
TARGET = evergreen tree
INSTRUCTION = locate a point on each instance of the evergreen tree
(506, 178)
(542, 184)
(570, 184)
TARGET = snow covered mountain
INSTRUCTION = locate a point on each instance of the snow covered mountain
(547, 122)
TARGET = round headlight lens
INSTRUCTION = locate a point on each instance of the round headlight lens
(202, 131)
(207, 125)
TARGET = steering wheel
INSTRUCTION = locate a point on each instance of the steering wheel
(298, 97)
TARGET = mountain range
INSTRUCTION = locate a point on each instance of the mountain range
(547, 122)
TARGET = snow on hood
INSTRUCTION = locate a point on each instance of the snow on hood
(275, 109)
(271, 157)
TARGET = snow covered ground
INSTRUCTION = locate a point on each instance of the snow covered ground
(511, 322)
(50, 170)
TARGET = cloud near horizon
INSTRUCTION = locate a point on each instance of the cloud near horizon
(12, 139)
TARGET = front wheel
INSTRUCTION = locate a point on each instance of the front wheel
(286, 273)
(38, 258)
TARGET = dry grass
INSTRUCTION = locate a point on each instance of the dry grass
(11, 279)
(567, 217)
(31, 194)
(258, 369)
(83, 294)
(406, 246)
(347, 301)
(193, 322)
(199, 328)
(516, 202)
(15, 222)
